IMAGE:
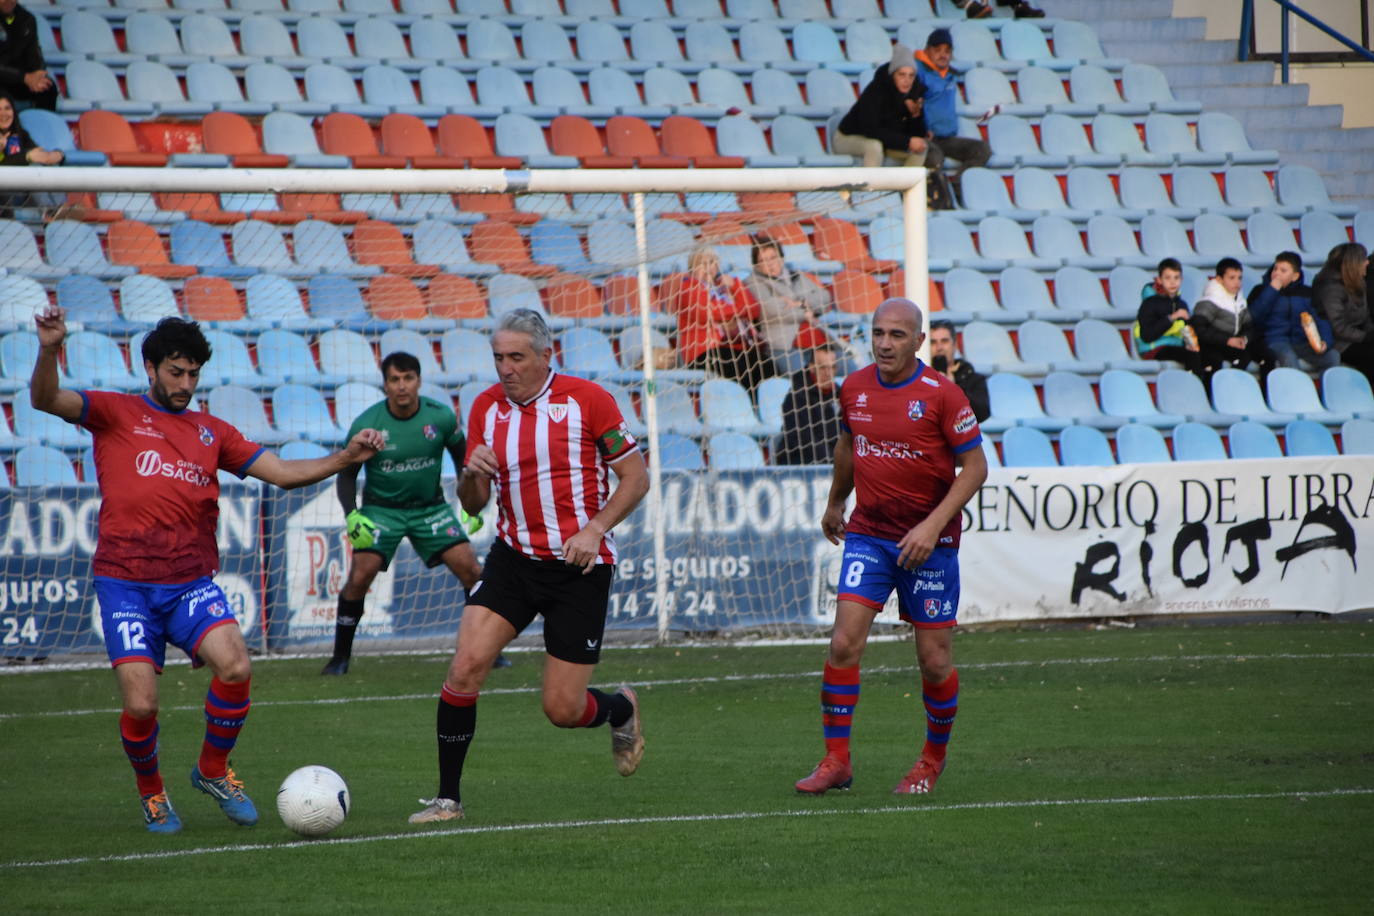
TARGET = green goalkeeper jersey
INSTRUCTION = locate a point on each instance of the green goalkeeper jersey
(405, 473)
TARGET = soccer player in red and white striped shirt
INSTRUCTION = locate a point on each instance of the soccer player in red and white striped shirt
(544, 444)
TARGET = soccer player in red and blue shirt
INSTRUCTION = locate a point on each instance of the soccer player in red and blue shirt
(157, 463)
(911, 447)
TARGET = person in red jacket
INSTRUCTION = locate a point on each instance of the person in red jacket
(716, 317)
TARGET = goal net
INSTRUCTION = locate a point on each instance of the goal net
(305, 278)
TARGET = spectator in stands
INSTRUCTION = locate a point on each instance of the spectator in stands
(23, 75)
(1287, 324)
(1339, 291)
(788, 305)
(975, 10)
(1161, 328)
(937, 89)
(885, 120)
(811, 412)
(715, 323)
(16, 146)
(958, 371)
(1221, 320)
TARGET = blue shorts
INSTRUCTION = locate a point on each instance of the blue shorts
(926, 597)
(140, 619)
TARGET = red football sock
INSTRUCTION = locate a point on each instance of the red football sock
(226, 708)
(942, 704)
(839, 696)
(140, 744)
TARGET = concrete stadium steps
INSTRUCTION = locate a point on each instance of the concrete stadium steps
(1275, 116)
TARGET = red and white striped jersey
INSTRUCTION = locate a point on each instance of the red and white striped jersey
(555, 453)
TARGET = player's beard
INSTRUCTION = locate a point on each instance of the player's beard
(167, 400)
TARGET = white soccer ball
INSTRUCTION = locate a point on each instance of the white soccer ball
(313, 801)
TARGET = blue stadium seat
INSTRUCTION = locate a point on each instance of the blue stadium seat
(96, 361)
(85, 34)
(1249, 439)
(1357, 437)
(798, 136)
(547, 42)
(1321, 231)
(771, 394)
(586, 353)
(1168, 135)
(50, 131)
(1013, 144)
(1014, 403)
(1346, 390)
(1137, 443)
(244, 409)
(1116, 135)
(1042, 342)
(1247, 186)
(950, 245)
(1237, 392)
(1180, 392)
(287, 134)
(339, 301)
(347, 354)
(731, 451)
(43, 466)
(501, 87)
(449, 89)
(678, 453)
(75, 247)
(1077, 41)
(725, 407)
(1109, 236)
(152, 36)
(202, 245)
(1084, 446)
(87, 301)
(1126, 284)
(1197, 442)
(352, 398)
(1218, 132)
(260, 245)
(1057, 239)
(1069, 396)
(816, 43)
(1041, 90)
(1165, 237)
(1308, 438)
(33, 425)
(379, 38)
(324, 38)
(207, 36)
(1143, 191)
(19, 253)
(1302, 186)
(1199, 188)
(510, 291)
(985, 193)
(146, 300)
(520, 135)
(1078, 293)
(211, 83)
(1064, 138)
(1095, 337)
(968, 294)
(555, 242)
(91, 84)
(321, 247)
(286, 355)
(21, 298)
(1217, 237)
(1144, 84)
(263, 35)
(1291, 391)
(671, 88)
(439, 242)
(676, 412)
(1364, 228)
(782, 92)
(302, 411)
(1125, 394)
(1024, 447)
(556, 87)
(763, 44)
(708, 42)
(18, 353)
(1039, 189)
(985, 88)
(418, 345)
(989, 347)
(232, 364)
(298, 449)
(601, 42)
(974, 45)
(328, 84)
(467, 355)
(1026, 293)
(740, 135)
(273, 84)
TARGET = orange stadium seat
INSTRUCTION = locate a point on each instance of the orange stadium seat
(137, 244)
(495, 206)
(109, 133)
(211, 299)
(456, 298)
(689, 138)
(199, 205)
(621, 295)
(381, 243)
(572, 296)
(393, 298)
(345, 134)
(634, 138)
(839, 240)
(323, 207)
(407, 136)
(231, 135)
(461, 136)
(498, 242)
(856, 292)
(572, 135)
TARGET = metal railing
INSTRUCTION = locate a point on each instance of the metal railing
(1246, 44)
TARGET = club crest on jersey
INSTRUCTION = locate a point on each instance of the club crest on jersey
(430, 431)
(216, 609)
(916, 409)
(558, 412)
(206, 437)
(861, 400)
(932, 607)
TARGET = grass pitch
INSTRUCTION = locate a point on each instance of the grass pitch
(1166, 769)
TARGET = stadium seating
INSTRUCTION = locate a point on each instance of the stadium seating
(1137, 443)
(1025, 447)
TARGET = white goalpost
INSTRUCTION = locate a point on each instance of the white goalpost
(270, 259)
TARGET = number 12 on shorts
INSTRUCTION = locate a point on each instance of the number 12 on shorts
(131, 632)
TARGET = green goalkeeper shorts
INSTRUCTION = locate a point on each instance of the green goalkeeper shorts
(432, 531)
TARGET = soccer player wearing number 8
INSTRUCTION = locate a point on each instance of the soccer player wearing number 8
(403, 497)
(906, 430)
(157, 463)
(544, 444)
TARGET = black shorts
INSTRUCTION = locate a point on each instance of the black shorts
(572, 604)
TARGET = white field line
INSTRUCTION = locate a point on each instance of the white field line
(738, 678)
(686, 819)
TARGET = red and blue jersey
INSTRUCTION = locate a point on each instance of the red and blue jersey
(159, 487)
(905, 437)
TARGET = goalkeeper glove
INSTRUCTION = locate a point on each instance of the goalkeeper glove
(361, 530)
(471, 523)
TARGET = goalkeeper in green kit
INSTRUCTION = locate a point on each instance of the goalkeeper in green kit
(403, 497)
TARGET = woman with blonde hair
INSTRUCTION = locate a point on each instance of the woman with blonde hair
(715, 323)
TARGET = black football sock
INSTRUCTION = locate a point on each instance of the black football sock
(610, 707)
(455, 723)
(346, 625)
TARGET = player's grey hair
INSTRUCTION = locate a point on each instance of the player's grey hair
(528, 321)
(899, 302)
